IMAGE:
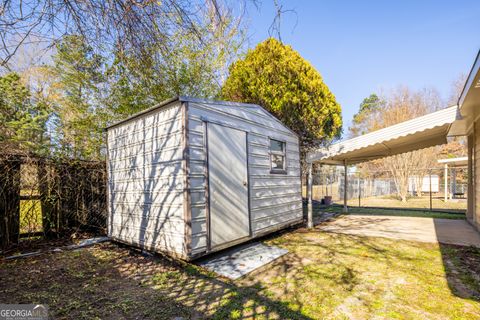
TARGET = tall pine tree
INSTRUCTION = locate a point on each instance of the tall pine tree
(79, 112)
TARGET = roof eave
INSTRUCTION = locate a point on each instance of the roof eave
(414, 134)
(470, 80)
(138, 114)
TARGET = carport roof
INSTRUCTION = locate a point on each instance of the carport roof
(422, 132)
(454, 162)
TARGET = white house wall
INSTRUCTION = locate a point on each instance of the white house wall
(275, 199)
(146, 180)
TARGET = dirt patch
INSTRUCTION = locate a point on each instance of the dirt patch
(33, 244)
(105, 281)
(109, 280)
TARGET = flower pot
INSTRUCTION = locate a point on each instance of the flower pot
(327, 200)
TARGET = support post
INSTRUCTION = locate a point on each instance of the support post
(325, 179)
(445, 181)
(430, 179)
(331, 182)
(345, 186)
(359, 191)
(309, 190)
(454, 178)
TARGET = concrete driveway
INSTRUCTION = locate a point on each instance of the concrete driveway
(458, 232)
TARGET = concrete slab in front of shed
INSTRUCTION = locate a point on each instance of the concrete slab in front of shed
(238, 261)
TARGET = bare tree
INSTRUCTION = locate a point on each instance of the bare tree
(456, 89)
(397, 106)
(128, 26)
(400, 105)
(275, 27)
(456, 146)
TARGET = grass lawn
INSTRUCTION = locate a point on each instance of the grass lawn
(392, 201)
(317, 210)
(325, 276)
(413, 202)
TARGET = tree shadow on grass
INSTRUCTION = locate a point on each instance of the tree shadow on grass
(376, 269)
(461, 263)
(112, 281)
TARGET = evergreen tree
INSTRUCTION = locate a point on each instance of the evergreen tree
(276, 77)
(364, 119)
(79, 113)
(22, 122)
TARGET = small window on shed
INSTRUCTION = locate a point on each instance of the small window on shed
(277, 156)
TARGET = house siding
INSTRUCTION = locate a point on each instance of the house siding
(146, 180)
(275, 199)
(475, 177)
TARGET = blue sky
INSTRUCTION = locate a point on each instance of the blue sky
(360, 47)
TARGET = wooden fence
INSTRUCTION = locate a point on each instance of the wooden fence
(50, 198)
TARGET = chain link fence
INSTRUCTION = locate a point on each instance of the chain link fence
(431, 189)
(47, 198)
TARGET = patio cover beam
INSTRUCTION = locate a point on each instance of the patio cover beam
(422, 132)
(419, 133)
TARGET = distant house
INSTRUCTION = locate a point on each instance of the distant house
(189, 176)
(424, 184)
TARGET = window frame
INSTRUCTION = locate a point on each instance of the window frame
(283, 154)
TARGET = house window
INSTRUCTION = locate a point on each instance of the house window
(277, 156)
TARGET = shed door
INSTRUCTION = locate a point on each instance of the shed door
(228, 184)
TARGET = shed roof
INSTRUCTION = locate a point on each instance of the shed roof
(422, 132)
(198, 100)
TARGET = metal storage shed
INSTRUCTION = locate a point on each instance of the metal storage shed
(189, 176)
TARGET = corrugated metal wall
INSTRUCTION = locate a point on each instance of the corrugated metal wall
(275, 199)
(146, 175)
(146, 180)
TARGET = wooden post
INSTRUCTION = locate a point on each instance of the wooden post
(345, 186)
(445, 181)
(9, 200)
(44, 187)
(309, 190)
